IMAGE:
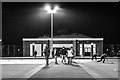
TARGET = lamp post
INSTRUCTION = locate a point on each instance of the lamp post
(33, 48)
(52, 12)
(92, 48)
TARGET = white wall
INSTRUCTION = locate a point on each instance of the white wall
(61, 45)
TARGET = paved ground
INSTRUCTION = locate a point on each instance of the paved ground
(109, 69)
(19, 68)
(62, 71)
(16, 70)
(81, 68)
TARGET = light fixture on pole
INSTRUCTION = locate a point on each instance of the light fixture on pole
(49, 9)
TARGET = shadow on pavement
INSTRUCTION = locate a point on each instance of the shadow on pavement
(75, 62)
(57, 64)
(110, 63)
(53, 63)
(46, 67)
(65, 63)
(74, 65)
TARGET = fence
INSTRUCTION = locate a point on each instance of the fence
(12, 51)
(112, 49)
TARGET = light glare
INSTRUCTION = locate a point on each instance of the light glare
(56, 8)
(48, 8)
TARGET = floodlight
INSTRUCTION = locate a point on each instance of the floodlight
(48, 8)
(56, 8)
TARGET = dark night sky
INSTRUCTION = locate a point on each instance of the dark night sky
(28, 19)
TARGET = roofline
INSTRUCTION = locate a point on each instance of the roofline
(62, 39)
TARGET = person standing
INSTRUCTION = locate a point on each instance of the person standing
(35, 53)
(70, 55)
(103, 57)
(63, 53)
(53, 53)
(56, 53)
(47, 53)
(94, 56)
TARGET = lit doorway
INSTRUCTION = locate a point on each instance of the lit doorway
(36, 47)
(89, 49)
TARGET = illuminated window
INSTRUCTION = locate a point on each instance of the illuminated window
(94, 48)
(80, 49)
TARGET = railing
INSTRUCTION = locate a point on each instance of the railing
(12, 51)
(112, 49)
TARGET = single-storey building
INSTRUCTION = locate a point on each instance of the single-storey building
(83, 45)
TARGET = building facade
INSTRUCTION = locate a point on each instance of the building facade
(82, 46)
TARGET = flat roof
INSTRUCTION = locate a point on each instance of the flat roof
(63, 39)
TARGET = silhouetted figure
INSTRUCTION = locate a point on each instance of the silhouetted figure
(56, 53)
(47, 53)
(63, 53)
(103, 57)
(70, 55)
(35, 53)
(53, 54)
(94, 56)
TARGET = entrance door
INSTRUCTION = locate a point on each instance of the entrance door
(60, 46)
(94, 48)
(87, 49)
(37, 47)
(81, 50)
